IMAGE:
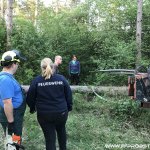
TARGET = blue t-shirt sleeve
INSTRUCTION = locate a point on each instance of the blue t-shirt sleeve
(7, 89)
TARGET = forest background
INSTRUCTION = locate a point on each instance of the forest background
(101, 33)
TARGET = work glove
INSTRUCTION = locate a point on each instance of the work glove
(10, 127)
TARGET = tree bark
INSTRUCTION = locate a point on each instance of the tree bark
(2, 8)
(9, 23)
(138, 32)
(36, 12)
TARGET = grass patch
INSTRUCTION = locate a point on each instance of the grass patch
(96, 122)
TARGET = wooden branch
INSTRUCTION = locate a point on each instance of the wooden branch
(111, 90)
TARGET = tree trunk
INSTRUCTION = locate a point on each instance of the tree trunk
(138, 32)
(9, 23)
(55, 5)
(110, 90)
(2, 8)
(36, 12)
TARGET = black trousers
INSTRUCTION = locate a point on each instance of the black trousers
(74, 79)
(52, 124)
(18, 114)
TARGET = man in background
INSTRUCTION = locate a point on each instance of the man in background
(57, 62)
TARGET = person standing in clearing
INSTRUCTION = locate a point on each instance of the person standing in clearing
(74, 70)
(50, 95)
(12, 102)
(57, 62)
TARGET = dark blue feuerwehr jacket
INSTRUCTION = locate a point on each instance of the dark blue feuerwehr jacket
(49, 96)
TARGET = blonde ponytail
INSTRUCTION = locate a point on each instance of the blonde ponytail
(46, 67)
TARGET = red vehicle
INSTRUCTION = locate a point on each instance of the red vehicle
(139, 88)
(138, 84)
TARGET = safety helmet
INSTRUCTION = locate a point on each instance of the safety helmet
(11, 56)
(18, 54)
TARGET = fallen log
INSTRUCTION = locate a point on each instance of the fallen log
(111, 90)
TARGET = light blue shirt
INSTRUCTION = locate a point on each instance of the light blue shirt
(10, 88)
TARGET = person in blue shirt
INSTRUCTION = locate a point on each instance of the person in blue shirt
(50, 95)
(12, 104)
(74, 70)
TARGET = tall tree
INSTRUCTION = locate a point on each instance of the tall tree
(36, 12)
(9, 23)
(2, 8)
(139, 31)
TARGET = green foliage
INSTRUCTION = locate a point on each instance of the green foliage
(33, 47)
(111, 79)
(68, 34)
(94, 123)
(118, 46)
(2, 36)
(107, 44)
(126, 108)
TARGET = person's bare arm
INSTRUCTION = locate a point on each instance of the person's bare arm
(8, 109)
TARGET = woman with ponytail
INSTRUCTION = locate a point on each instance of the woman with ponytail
(50, 95)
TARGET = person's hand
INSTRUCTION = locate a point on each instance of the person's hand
(70, 108)
(32, 110)
(10, 127)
